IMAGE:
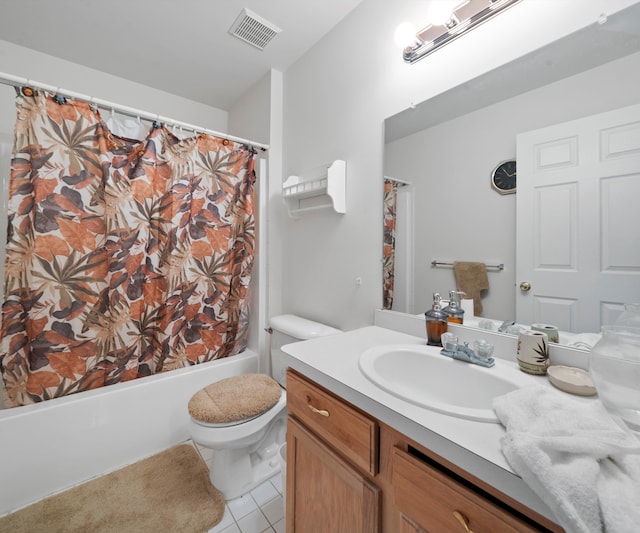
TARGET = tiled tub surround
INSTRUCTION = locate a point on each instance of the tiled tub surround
(473, 446)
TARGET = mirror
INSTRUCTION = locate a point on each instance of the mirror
(446, 148)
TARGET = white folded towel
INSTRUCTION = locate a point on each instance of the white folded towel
(582, 462)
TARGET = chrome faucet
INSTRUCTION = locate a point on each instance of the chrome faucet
(462, 352)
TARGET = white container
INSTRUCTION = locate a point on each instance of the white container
(467, 307)
(630, 317)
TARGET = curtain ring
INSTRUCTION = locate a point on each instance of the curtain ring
(59, 99)
(27, 90)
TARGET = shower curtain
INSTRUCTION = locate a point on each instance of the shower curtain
(124, 258)
(390, 201)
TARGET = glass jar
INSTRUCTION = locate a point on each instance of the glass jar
(455, 313)
(615, 369)
(630, 316)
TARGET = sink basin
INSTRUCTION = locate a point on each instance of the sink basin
(421, 375)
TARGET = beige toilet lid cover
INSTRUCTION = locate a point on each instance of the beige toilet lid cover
(235, 398)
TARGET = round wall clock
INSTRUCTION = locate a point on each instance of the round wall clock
(503, 177)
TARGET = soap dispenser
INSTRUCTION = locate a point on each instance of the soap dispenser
(436, 322)
(455, 313)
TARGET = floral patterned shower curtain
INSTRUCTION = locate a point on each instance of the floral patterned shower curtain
(390, 201)
(124, 258)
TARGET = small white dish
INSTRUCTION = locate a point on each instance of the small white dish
(572, 380)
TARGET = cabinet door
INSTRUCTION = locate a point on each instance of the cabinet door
(325, 493)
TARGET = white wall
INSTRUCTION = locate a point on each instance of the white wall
(485, 227)
(257, 115)
(249, 117)
(27, 63)
(336, 99)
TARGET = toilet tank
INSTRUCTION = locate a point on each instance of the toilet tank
(286, 329)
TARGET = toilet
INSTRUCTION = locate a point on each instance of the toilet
(243, 419)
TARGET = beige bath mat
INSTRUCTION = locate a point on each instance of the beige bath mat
(168, 492)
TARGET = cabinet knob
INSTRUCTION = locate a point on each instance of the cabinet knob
(525, 286)
(463, 520)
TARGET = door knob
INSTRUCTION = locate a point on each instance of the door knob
(525, 286)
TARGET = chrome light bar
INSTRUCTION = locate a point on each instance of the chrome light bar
(466, 15)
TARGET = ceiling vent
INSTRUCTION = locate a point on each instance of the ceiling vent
(253, 29)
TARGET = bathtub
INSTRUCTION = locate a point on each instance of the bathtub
(51, 446)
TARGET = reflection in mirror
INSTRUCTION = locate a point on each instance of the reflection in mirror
(447, 147)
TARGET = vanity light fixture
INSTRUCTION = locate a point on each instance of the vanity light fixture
(461, 17)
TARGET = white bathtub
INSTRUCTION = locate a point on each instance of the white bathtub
(51, 446)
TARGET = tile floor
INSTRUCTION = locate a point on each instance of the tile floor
(260, 511)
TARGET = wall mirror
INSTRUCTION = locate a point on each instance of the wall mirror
(442, 153)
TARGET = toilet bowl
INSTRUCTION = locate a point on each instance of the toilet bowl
(244, 419)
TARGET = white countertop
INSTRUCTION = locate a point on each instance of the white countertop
(474, 446)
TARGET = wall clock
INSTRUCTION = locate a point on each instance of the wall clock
(503, 177)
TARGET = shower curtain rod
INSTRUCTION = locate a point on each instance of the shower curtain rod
(402, 183)
(16, 81)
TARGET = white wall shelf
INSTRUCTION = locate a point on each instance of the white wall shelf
(327, 191)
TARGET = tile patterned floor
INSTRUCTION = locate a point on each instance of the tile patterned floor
(260, 511)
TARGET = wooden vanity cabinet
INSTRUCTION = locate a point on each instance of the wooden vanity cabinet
(349, 473)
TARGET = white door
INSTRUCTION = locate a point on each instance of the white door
(578, 221)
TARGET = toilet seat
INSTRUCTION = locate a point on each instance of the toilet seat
(225, 424)
(234, 400)
(204, 433)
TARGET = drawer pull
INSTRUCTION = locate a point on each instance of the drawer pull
(317, 411)
(463, 520)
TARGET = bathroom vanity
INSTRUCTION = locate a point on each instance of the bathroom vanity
(360, 459)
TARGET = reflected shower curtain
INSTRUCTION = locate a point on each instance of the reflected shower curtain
(390, 201)
(124, 258)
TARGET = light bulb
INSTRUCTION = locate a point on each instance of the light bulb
(440, 12)
(404, 35)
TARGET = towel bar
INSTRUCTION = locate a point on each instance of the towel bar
(436, 263)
